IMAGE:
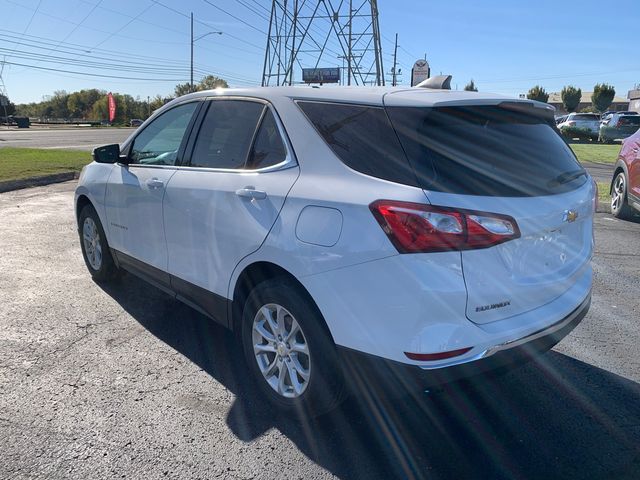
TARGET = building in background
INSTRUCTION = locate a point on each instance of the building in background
(634, 99)
(555, 99)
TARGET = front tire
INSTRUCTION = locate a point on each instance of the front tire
(95, 249)
(619, 206)
(289, 351)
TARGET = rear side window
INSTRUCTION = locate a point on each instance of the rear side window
(585, 116)
(486, 150)
(362, 137)
(268, 148)
(226, 134)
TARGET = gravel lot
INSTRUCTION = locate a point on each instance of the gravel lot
(123, 382)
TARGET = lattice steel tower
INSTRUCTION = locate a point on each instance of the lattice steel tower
(341, 34)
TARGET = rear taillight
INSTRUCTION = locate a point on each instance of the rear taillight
(420, 228)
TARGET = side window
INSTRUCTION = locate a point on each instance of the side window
(226, 134)
(159, 142)
(268, 148)
(362, 137)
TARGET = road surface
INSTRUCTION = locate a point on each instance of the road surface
(78, 138)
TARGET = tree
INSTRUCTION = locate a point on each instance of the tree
(210, 82)
(602, 97)
(471, 86)
(207, 83)
(6, 107)
(538, 93)
(571, 98)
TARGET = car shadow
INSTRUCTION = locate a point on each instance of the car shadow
(557, 418)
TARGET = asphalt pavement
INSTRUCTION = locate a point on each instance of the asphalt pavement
(120, 381)
(76, 138)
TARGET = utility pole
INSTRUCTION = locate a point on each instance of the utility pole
(394, 70)
(148, 106)
(349, 47)
(191, 82)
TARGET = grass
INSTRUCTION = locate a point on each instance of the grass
(595, 152)
(18, 163)
(603, 192)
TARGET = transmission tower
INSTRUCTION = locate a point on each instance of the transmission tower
(341, 34)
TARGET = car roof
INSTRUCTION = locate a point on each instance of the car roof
(389, 96)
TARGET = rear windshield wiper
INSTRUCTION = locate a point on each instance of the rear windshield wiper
(567, 177)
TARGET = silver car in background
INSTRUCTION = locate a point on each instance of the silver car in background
(582, 126)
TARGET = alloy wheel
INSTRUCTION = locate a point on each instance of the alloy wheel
(92, 244)
(281, 350)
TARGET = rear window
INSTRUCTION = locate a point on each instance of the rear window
(486, 150)
(363, 138)
(630, 120)
(585, 116)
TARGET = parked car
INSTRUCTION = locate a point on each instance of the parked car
(135, 122)
(351, 236)
(625, 185)
(580, 125)
(560, 118)
(618, 126)
(622, 112)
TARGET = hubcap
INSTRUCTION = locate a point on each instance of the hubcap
(617, 196)
(92, 245)
(281, 350)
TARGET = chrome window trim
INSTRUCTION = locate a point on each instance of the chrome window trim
(290, 160)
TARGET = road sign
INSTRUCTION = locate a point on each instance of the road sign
(321, 75)
(420, 72)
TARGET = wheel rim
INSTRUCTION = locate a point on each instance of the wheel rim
(281, 350)
(619, 191)
(92, 245)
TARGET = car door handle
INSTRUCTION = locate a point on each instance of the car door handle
(252, 193)
(154, 183)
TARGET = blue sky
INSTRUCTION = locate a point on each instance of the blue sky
(505, 46)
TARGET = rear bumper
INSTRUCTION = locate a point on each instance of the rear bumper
(374, 370)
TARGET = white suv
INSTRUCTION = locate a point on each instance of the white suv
(351, 235)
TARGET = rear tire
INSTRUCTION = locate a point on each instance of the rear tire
(95, 249)
(619, 206)
(291, 356)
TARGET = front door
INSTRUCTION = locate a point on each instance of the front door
(135, 191)
(221, 207)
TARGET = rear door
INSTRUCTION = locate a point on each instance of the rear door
(220, 207)
(511, 162)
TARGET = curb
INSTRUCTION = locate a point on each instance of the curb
(10, 185)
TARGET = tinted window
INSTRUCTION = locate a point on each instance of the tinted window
(585, 116)
(268, 148)
(226, 134)
(362, 137)
(486, 150)
(629, 120)
(159, 142)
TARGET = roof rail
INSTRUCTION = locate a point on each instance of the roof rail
(439, 82)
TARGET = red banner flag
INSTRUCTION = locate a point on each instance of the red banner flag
(112, 107)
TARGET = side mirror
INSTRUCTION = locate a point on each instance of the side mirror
(107, 153)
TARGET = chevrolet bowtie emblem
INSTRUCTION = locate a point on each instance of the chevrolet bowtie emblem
(570, 216)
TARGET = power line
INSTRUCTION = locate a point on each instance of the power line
(98, 75)
(233, 16)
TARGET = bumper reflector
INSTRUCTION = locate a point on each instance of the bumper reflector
(430, 357)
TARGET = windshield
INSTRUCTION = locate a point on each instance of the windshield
(485, 150)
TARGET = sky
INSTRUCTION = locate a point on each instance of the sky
(142, 47)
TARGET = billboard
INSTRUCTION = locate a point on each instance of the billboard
(420, 72)
(321, 75)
